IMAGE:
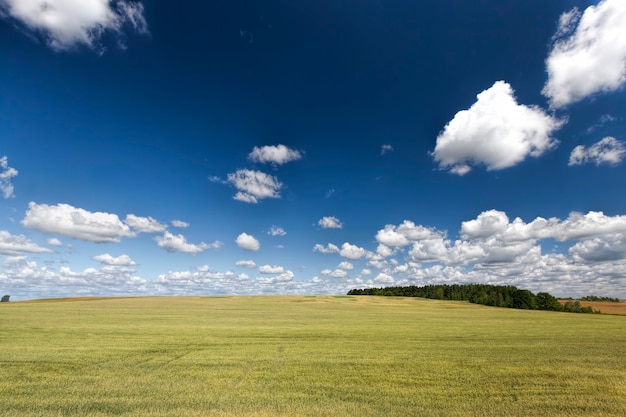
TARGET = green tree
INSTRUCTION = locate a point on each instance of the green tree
(5, 298)
(546, 301)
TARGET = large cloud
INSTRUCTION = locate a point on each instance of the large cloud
(608, 151)
(495, 131)
(589, 53)
(76, 223)
(6, 174)
(254, 185)
(274, 154)
(67, 23)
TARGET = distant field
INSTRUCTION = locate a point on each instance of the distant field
(606, 307)
(306, 356)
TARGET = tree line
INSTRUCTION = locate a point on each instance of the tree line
(491, 295)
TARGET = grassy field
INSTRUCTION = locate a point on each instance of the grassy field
(306, 356)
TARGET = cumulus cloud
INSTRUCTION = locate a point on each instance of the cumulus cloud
(180, 224)
(122, 260)
(247, 242)
(246, 264)
(76, 223)
(53, 241)
(352, 252)
(345, 266)
(588, 55)
(276, 231)
(384, 279)
(17, 245)
(486, 224)
(337, 273)
(495, 131)
(274, 154)
(65, 24)
(271, 269)
(329, 248)
(144, 224)
(330, 222)
(25, 279)
(608, 151)
(178, 243)
(6, 174)
(254, 185)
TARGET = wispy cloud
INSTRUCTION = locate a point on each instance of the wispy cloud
(6, 174)
(608, 151)
(385, 149)
(178, 243)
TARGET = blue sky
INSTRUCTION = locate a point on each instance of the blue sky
(268, 147)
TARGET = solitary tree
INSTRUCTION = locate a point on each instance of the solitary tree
(5, 298)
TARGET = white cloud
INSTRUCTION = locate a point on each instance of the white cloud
(345, 266)
(16, 245)
(178, 243)
(144, 224)
(352, 252)
(67, 23)
(337, 273)
(366, 271)
(330, 248)
(600, 249)
(486, 224)
(247, 242)
(269, 269)
(384, 279)
(254, 185)
(76, 223)
(385, 149)
(330, 222)
(609, 151)
(246, 264)
(180, 224)
(274, 154)
(589, 53)
(24, 279)
(122, 260)
(6, 174)
(384, 250)
(496, 131)
(276, 231)
(53, 241)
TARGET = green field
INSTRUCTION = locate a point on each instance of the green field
(306, 356)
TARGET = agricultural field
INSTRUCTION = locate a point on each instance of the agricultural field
(306, 356)
(606, 307)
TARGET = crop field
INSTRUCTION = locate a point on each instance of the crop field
(606, 307)
(306, 356)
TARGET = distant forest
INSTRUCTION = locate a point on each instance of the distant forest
(490, 295)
